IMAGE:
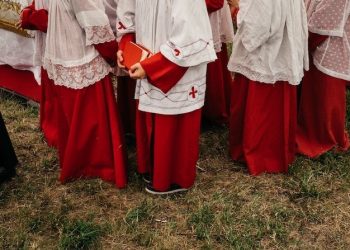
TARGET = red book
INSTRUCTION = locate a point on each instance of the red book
(134, 53)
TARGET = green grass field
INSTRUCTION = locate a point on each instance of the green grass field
(227, 209)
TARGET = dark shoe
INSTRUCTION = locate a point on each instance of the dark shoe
(172, 190)
(146, 178)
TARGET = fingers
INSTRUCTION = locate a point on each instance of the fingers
(120, 59)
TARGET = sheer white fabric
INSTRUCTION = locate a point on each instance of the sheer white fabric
(18, 52)
(331, 18)
(78, 77)
(222, 27)
(271, 42)
(40, 37)
(185, 38)
(227, 32)
(111, 11)
(74, 26)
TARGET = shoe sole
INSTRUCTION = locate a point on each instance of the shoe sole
(166, 192)
(145, 180)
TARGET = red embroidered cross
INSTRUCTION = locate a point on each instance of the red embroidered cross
(177, 52)
(121, 26)
(193, 92)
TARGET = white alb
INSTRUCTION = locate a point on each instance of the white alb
(331, 18)
(180, 30)
(271, 43)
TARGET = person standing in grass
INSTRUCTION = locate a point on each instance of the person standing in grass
(125, 86)
(35, 17)
(171, 86)
(217, 99)
(268, 58)
(80, 50)
(322, 114)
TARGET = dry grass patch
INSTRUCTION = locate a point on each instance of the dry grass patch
(226, 209)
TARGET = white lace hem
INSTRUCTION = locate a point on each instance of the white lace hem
(270, 79)
(78, 77)
(99, 34)
(331, 72)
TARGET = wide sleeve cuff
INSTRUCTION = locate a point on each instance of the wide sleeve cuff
(34, 19)
(162, 73)
(99, 34)
(108, 51)
(214, 5)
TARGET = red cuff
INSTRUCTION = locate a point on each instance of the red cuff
(130, 37)
(315, 40)
(34, 19)
(162, 73)
(214, 5)
(108, 51)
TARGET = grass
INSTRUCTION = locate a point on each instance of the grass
(226, 209)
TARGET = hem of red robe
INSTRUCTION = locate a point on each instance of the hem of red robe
(217, 99)
(263, 125)
(168, 148)
(90, 143)
(322, 115)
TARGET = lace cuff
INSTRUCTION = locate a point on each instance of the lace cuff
(78, 77)
(99, 34)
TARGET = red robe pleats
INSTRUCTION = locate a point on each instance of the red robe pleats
(168, 147)
(263, 125)
(89, 132)
(48, 111)
(217, 99)
(322, 114)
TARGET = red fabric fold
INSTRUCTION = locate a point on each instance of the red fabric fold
(90, 142)
(33, 19)
(315, 40)
(168, 148)
(217, 99)
(214, 5)
(108, 51)
(322, 114)
(263, 123)
(162, 73)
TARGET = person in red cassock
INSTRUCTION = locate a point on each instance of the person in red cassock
(35, 17)
(125, 86)
(268, 58)
(80, 50)
(171, 86)
(322, 114)
(217, 100)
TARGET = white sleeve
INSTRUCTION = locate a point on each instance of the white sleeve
(93, 19)
(328, 17)
(190, 41)
(254, 20)
(125, 17)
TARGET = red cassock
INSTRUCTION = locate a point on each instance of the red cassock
(263, 125)
(89, 132)
(126, 94)
(38, 20)
(217, 98)
(322, 111)
(322, 114)
(167, 145)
